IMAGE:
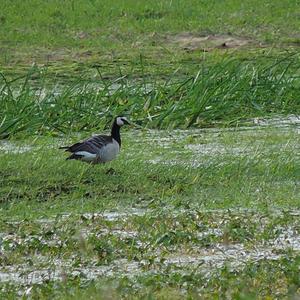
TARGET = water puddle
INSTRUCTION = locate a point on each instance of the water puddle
(288, 238)
(233, 256)
(167, 210)
(9, 147)
(292, 120)
(123, 234)
(60, 270)
(112, 216)
(204, 147)
(197, 143)
(216, 149)
(106, 215)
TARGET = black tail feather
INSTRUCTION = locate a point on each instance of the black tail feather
(64, 147)
(74, 156)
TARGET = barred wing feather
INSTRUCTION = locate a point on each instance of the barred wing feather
(91, 145)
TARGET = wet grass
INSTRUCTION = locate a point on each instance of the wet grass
(209, 167)
(198, 213)
(195, 213)
(193, 252)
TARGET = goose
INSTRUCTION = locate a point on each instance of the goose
(99, 148)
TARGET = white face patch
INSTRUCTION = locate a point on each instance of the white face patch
(120, 121)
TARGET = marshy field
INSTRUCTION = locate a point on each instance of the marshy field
(203, 201)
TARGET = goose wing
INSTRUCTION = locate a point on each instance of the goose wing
(91, 145)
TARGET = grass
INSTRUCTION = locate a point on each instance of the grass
(177, 199)
(229, 92)
(119, 25)
(265, 160)
(71, 37)
(57, 22)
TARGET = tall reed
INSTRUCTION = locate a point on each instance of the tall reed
(226, 92)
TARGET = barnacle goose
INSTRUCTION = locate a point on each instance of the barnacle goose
(99, 148)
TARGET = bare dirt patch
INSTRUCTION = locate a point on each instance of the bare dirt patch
(192, 41)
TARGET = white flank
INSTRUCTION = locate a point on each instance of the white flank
(87, 156)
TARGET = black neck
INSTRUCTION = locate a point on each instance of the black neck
(115, 133)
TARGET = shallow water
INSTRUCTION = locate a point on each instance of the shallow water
(206, 260)
(205, 141)
(10, 147)
(204, 147)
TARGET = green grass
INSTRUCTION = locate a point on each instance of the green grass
(139, 49)
(125, 22)
(184, 194)
(255, 170)
(228, 93)
(73, 36)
